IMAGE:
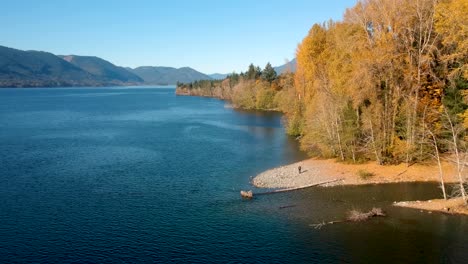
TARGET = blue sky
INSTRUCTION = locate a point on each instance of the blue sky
(208, 35)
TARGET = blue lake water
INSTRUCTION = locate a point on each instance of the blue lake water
(142, 175)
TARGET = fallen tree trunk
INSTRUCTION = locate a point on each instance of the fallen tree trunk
(249, 194)
(300, 187)
(354, 216)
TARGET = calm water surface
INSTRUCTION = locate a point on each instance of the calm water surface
(132, 174)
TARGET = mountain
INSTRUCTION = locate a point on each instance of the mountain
(102, 69)
(218, 76)
(168, 75)
(290, 66)
(36, 68)
(20, 68)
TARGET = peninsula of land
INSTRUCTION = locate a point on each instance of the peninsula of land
(315, 171)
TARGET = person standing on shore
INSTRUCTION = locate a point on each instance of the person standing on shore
(299, 169)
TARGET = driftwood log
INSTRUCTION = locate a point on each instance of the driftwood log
(246, 194)
(354, 216)
(249, 194)
(300, 187)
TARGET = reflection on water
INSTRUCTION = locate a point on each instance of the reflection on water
(141, 175)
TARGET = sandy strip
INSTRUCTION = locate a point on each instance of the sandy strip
(315, 170)
(451, 206)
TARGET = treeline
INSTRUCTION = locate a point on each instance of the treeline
(253, 89)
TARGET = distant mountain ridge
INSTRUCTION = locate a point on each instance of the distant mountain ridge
(36, 68)
(289, 66)
(218, 76)
(168, 75)
(102, 68)
(20, 68)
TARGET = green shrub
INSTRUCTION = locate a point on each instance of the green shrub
(365, 175)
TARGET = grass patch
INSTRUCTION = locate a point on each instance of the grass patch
(365, 175)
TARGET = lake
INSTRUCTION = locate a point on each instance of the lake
(141, 175)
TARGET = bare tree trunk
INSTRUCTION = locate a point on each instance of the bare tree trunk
(353, 152)
(408, 135)
(457, 156)
(374, 144)
(327, 125)
(423, 136)
(339, 138)
(441, 173)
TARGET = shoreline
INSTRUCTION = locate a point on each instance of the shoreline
(453, 206)
(315, 171)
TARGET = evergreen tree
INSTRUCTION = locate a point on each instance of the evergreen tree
(251, 72)
(268, 74)
(258, 72)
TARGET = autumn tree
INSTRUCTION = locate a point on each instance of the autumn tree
(451, 22)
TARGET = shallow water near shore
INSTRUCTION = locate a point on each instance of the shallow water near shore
(142, 175)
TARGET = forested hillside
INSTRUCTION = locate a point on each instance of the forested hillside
(103, 69)
(34, 68)
(20, 68)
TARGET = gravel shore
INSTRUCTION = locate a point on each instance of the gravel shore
(289, 177)
(315, 171)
